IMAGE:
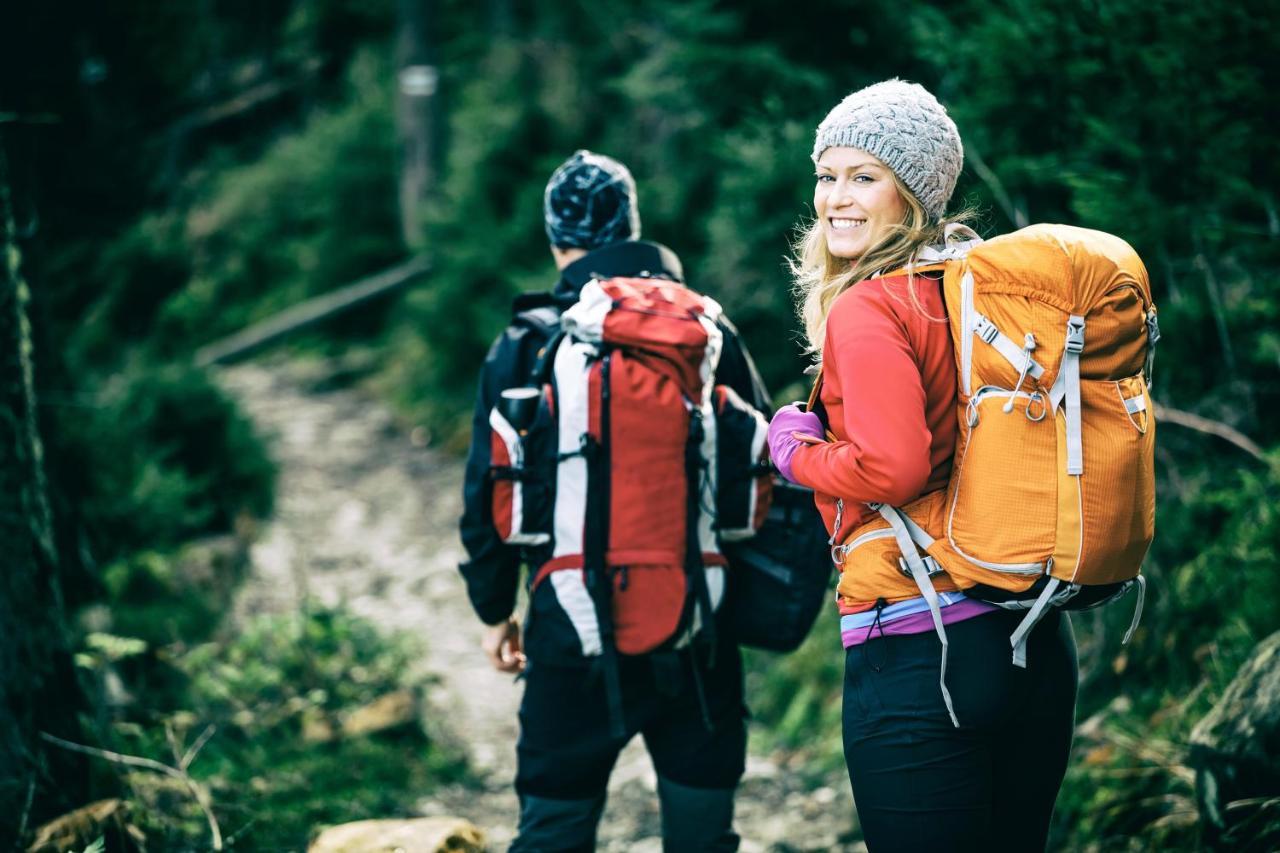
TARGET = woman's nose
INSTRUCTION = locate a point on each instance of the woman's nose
(842, 194)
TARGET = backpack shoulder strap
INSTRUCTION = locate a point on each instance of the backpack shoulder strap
(543, 321)
(536, 311)
(815, 404)
(539, 314)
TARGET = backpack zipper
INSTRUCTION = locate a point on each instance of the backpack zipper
(839, 552)
(971, 408)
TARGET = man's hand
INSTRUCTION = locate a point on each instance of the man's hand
(502, 644)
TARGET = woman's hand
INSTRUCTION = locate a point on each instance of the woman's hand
(790, 428)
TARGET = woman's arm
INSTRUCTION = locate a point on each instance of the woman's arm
(868, 358)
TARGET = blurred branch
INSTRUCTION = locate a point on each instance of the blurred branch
(247, 100)
(1215, 301)
(1013, 212)
(198, 791)
(311, 312)
(33, 118)
(1265, 802)
(1209, 427)
(1172, 471)
(1273, 219)
(1162, 754)
(235, 836)
(26, 809)
(191, 753)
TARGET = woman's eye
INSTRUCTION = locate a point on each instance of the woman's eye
(825, 178)
(863, 179)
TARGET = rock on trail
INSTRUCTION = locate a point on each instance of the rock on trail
(366, 518)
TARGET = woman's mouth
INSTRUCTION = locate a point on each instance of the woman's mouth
(845, 224)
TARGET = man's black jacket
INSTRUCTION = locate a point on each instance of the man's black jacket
(492, 570)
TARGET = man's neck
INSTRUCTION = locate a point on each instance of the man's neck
(564, 257)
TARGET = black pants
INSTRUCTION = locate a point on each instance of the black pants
(566, 751)
(920, 783)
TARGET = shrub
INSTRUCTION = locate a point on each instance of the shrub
(162, 457)
(254, 699)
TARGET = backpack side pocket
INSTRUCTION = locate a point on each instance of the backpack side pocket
(744, 485)
(522, 428)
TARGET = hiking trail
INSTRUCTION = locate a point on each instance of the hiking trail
(366, 516)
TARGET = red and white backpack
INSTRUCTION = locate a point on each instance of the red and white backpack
(623, 466)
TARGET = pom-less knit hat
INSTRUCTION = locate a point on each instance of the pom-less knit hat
(908, 130)
(590, 202)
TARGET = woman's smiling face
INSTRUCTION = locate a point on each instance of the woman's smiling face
(855, 198)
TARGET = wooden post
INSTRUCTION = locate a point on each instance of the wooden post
(417, 81)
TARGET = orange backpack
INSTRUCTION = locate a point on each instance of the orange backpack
(1051, 501)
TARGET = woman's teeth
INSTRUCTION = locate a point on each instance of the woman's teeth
(843, 224)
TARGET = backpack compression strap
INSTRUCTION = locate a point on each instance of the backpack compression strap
(694, 566)
(814, 405)
(595, 567)
(909, 534)
(1067, 387)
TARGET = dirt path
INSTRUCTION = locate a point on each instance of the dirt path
(367, 518)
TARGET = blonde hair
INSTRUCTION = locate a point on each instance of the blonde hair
(820, 277)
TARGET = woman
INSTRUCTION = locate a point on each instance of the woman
(976, 765)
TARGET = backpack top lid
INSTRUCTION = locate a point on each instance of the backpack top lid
(654, 316)
(1071, 268)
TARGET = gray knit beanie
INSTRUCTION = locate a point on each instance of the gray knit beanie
(590, 202)
(908, 130)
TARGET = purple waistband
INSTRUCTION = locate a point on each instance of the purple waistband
(916, 623)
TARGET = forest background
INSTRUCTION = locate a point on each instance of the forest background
(173, 172)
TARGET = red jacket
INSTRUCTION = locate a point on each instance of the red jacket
(889, 388)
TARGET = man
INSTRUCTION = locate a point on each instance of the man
(686, 702)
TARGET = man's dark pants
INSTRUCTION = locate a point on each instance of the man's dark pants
(567, 751)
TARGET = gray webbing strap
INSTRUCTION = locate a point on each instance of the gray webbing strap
(1153, 335)
(920, 574)
(1071, 364)
(1003, 344)
(1067, 387)
(918, 535)
(1018, 639)
(1137, 610)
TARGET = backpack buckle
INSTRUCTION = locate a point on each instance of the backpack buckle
(931, 566)
(1075, 336)
(986, 330)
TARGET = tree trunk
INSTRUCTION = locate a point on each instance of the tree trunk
(37, 683)
(417, 82)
